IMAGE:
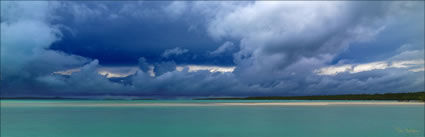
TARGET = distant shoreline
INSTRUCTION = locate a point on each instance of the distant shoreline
(411, 96)
(201, 104)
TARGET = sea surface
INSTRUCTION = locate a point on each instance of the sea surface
(60, 118)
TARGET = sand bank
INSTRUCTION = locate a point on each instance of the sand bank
(100, 104)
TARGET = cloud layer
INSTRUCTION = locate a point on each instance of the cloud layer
(199, 48)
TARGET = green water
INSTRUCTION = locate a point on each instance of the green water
(209, 121)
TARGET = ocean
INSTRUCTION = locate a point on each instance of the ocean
(72, 118)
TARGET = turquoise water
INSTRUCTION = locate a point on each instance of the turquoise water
(209, 121)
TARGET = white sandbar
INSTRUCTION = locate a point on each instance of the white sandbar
(99, 104)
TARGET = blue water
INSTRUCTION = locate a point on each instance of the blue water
(208, 121)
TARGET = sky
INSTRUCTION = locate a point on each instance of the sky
(211, 48)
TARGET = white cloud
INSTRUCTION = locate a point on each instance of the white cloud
(174, 52)
(67, 72)
(108, 71)
(194, 68)
(411, 65)
(409, 54)
(333, 70)
(369, 67)
(406, 64)
(117, 71)
(417, 69)
(175, 9)
(227, 46)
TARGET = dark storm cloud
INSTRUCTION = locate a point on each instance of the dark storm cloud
(274, 38)
(278, 48)
(143, 65)
(164, 67)
(134, 29)
(26, 34)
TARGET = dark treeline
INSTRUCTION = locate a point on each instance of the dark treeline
(413, 96)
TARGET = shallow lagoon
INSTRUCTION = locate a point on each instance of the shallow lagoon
(29, 120)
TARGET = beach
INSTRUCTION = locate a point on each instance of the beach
(198, 103)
